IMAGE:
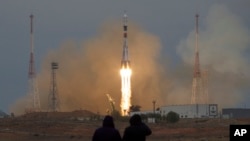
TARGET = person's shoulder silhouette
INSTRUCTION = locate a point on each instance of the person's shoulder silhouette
(107, 132)
(137, 131)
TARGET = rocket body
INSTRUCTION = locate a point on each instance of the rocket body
(125, 61)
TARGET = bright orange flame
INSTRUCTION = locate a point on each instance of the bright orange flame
(126, 90)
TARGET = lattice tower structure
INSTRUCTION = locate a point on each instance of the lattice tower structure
(205, 81)
(54, 102)
(33, 104)
(197, 96)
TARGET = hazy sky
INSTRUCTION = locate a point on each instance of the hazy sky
(171, 21)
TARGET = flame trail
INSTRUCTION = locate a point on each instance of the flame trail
(125, 73)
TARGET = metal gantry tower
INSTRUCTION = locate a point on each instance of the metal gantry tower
(34, 100)
(54, 103)
(112, 103)
(197, 88)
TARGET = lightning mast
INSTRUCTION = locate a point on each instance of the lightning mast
(53, 95)
(34, 100)
(125, 72)
(197, 90)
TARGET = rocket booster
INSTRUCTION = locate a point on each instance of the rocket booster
(125, 61)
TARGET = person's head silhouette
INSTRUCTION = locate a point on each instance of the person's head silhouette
(108, 122)
(135, 120)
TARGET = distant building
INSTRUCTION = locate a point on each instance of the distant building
(236, 113)
(192, 110)
(187, 110)
(144, 112)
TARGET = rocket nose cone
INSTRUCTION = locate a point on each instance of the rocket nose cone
(125, 18)
(125, 15)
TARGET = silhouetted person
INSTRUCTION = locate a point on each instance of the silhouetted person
(137, 131)
(107, 132)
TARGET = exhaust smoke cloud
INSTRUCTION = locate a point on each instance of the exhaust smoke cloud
(89, 70)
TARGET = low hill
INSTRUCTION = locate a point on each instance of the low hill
(2, 114)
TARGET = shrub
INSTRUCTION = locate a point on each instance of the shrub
(172, 117)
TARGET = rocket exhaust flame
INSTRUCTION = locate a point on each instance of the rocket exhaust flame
(125, 73)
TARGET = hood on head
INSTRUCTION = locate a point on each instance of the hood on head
(108, 122)
(135, 120)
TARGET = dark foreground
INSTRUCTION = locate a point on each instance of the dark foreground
(80, 125)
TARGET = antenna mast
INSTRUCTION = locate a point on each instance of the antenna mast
(34, 100)
(197, 92)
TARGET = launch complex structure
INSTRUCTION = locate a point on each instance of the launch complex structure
(33, 100)
(33, 103)
(125, 72)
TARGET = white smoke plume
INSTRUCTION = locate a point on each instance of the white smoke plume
(222, 44)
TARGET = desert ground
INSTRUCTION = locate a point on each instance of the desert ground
(80, 126)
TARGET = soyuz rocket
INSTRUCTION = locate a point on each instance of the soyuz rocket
(125, 71)
(125, 63)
